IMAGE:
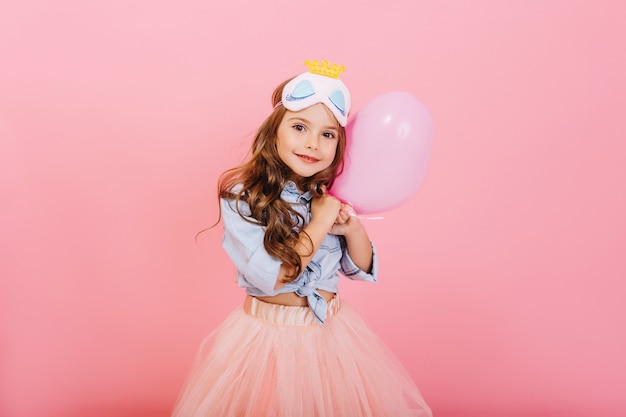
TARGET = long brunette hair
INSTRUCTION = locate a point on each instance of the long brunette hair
(259, 182)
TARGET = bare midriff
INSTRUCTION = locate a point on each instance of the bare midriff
(292, 299)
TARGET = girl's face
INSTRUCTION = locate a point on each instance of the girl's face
(307, 140)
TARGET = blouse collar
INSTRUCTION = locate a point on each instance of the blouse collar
(290, 190)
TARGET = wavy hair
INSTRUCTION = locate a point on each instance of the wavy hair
(259, 182)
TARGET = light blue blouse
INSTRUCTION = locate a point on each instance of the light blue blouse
(257, 270)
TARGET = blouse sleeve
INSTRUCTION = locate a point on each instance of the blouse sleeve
(243, 241)
(350, 270)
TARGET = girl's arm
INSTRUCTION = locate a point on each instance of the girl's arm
(357, 240)
(324, 213)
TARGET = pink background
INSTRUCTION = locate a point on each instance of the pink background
(502, 286)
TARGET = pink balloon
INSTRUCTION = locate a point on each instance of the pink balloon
(388, 146)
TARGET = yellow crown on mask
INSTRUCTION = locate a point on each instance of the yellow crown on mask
(325, 68)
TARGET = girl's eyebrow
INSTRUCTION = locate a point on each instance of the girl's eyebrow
(298, 119)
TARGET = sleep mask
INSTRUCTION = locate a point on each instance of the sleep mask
(321, 84)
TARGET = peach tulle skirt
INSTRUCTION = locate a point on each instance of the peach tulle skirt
(268, 360)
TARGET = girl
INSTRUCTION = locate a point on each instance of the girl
(294, 349)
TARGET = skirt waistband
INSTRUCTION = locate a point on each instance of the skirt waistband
(282, 314)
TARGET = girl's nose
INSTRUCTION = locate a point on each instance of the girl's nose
(312, 142)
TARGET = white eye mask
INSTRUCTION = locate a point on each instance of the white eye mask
(308, 89)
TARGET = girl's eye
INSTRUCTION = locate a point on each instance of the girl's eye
(329, 135)
(299, 128)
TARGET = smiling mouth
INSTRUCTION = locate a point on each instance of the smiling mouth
(307, 159)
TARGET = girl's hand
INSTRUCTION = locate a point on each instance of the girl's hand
(325, 209)
(346, 223)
